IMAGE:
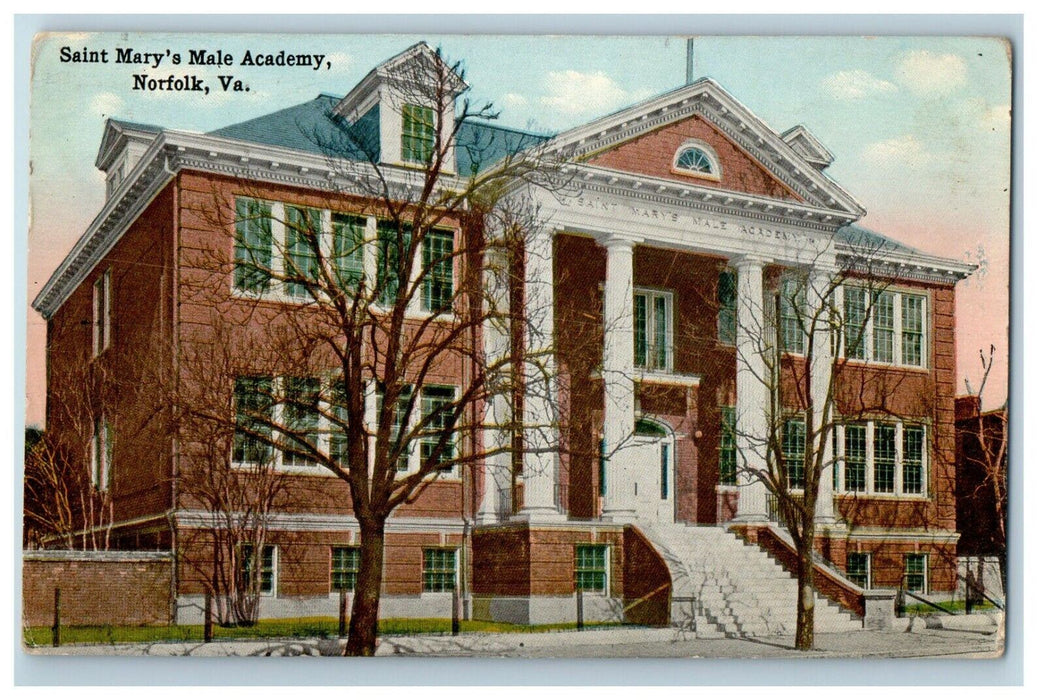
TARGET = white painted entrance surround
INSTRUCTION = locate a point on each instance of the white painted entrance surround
(649, 461)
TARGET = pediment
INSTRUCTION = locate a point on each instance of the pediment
(808, 146)
(706, 102)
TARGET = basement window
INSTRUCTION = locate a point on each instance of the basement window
(590, 568)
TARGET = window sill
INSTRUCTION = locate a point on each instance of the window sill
(656, 376)
(864, 495)
(710, 177)
(883, 365)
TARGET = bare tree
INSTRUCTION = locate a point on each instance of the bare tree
(68, 472)
(797, 343)
(984, 437)
(374, 367)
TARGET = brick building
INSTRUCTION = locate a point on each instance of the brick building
(686, 221)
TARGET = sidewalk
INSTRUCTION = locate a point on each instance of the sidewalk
(971, 637)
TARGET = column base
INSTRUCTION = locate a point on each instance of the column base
(486, 518)
(618, 516)
(539, 515)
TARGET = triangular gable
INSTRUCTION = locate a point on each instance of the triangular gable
(654, 153)
(808, 146)
(115, 129)
(708, 100)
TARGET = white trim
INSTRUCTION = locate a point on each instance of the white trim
(324, 522)
(716, 166)
(897, 493)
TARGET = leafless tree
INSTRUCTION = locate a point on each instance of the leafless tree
(352, 371)
(798, 344)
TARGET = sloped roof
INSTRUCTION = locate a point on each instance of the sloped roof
(313, 127)
(866, 239)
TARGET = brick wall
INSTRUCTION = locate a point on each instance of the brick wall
(654, 154)
(97, 588)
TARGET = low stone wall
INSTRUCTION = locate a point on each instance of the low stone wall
(97, 588)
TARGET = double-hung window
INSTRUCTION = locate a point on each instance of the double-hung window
(913, 475)
(855, 306)
(418, 133)
(727, 307)
(437, 416)
(438, 264)
(885, 326)
(344, 568)
(589, 569)
(858, 568)
(912, 324)
(253, 406)
(258, 573)
(794, 452)
(300, 420)
(856, 457)
(393, 242)
(440, 570)
(914, 572)
(792, 309)
(348, 249)
(727, 446)
(885, 457)
(102, 310)
(101, 455)
(653, 330)
(400, 422)
(882, 318)
(302, 231)
(253, 245)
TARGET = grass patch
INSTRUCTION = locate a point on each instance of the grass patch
(955, 606)
(300, 627)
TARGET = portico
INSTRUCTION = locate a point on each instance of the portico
(623, 218)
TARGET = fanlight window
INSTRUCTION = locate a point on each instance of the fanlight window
(695, 160)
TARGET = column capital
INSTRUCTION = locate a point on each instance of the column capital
(615, 241)
(749, 260)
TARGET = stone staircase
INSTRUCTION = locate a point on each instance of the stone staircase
(722, 586)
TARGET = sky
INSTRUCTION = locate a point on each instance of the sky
(919, 127)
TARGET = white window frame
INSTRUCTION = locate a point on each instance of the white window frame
(414, 454)
(276, 289)
(870, 427)
(275, 567)
(651, 295)
(101, 313)
(867, 336)
(716, 165)
(867, 558)
(924, 556)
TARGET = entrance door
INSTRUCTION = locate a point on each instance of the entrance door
(652, 472)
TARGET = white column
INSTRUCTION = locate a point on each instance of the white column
(618, 373)
(540, 413)
(820, 309)
(752, 391)
(497, 475)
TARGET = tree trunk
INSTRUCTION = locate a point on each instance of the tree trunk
(806, 595)
(362, 627)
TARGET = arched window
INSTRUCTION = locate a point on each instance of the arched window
(697, 158)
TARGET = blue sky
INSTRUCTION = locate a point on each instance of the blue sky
(919, 127)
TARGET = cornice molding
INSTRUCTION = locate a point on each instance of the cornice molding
(708, 99)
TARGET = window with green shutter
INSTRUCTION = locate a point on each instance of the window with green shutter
(437, 414)
(253, 268)
(882, 319)
(913, 458)
(300, 263)
(258, 570)
(915, 569)
(792, 308)
(794, 451)
(858, 568)
(393, 242)
(727, 307)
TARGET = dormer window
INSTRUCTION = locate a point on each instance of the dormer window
(698, 159)
(418, 133)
